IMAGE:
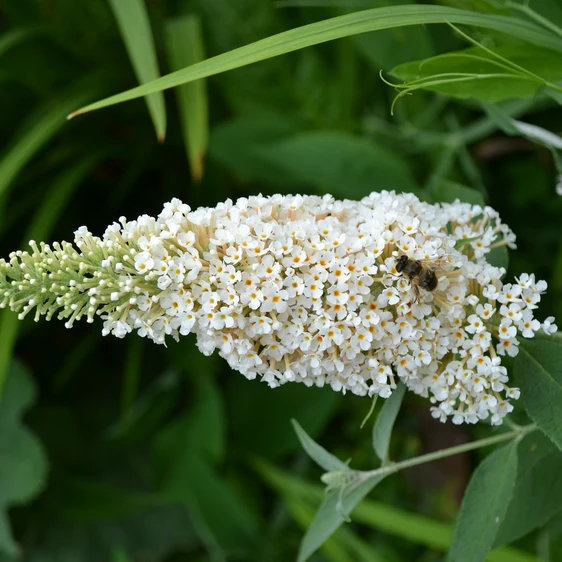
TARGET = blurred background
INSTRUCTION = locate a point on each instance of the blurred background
(123, 451)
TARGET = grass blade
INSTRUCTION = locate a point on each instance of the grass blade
(42, 125)
(184, 41)
(328, 30)
(134, 26)
(49, 212)
(13, 37)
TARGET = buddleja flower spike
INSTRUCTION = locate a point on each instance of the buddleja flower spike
(306, 289)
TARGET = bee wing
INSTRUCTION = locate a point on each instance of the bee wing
(436, 263)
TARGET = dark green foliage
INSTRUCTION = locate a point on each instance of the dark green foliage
(122, 451)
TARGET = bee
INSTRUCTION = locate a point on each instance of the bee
(419, 273)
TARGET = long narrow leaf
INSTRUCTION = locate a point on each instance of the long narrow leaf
(56, 198)
(329, 517)
(343, 545)
(405, 525)
(317, 453)
(336, 28)
(13, 37)
(42, 125)
(385, 422)
(185, 47)
(134, 25)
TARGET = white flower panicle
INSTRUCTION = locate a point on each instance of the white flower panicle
(305, 289)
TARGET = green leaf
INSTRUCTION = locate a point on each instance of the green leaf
(382, 429)
(201, 430)
(484, 505)
(498, 257)
(538, 372)
(474, 72)
(330, 516)
(152, 534)
(556, 96)
(134, 25)
(501, 119)
(538, 491)
(531, 132)
(422, 530)
(446, 191)
(328, 30)
(381, 517)
(89, 500)
(186, 453)
(302, 499)
(156, 403)
(317, 453)
(237, 145)
(343, 546)
(23, 465)
(8, 545)
(184, 39)
(459, 244)
(193, 482)
(340, 163)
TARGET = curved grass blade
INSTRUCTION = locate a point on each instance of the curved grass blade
(134, 25)
(48, 213)
(13, 37)
(41, 126)
(328, 30)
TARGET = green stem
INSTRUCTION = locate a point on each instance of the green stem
(443, 453)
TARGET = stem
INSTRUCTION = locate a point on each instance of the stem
(422, 459)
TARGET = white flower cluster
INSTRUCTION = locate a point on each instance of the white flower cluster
(306, 289)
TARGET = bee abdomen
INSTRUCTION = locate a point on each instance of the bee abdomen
(429, 280)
